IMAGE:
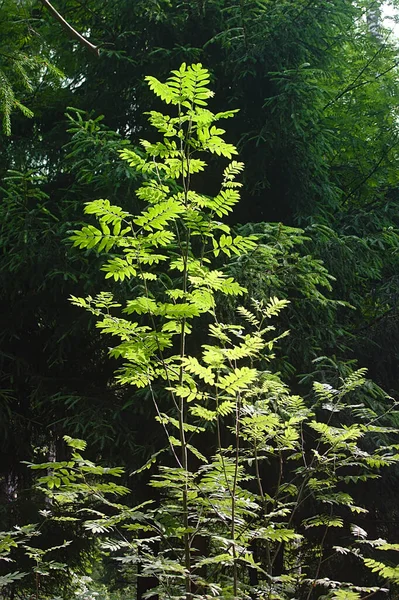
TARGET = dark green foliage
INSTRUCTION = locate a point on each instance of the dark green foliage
(317, 128)
(258, 511)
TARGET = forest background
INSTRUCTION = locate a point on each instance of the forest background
(316, 85)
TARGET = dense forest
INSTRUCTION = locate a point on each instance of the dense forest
(199, 282)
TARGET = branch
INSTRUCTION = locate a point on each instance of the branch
(354, 85)
(371, 172)
(377, 319)
(72, 32)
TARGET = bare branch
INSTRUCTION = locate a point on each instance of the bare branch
(72, 32)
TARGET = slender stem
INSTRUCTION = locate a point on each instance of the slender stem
(37, 585)
(264, 506)
(320, 558)
(163, 424)
(233, 496)
(185, 164)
